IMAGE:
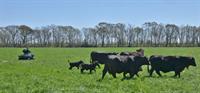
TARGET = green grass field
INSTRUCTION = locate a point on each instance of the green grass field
(49, 73)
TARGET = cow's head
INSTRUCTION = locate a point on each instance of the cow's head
(192, 61)
(81, 61)
(140, 51)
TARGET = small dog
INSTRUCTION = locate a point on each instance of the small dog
(75, 64)
(90, 67)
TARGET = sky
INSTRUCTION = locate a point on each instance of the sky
(88, 13)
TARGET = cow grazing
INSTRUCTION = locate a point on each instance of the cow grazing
(75, 64)
(170, 63)
(99, 57)
(123, 64)
(91, 66)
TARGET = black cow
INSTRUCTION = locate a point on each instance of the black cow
(139, 52)
(75, 64)
(170, 63)
(91, 66)
(126, 64)
(99, 57)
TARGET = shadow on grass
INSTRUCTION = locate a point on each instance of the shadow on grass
(160, 77)
(142, 78)
(87, 73)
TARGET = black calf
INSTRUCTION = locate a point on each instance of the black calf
(90, 67)
(75, 64)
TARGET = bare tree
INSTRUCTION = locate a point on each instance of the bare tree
(138, 31)
(198, 36)
(102, 31)
(25, 31)
(5, 37)
(120, 34)
(169, 33)
(103, 34)
(13, 31)
(160, 35)
(130, 35)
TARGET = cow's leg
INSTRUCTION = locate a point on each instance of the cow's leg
(132, 75)
(82, 70)
(90, 71)
(105, 70)
(114, 75)
(124, 74)
(177, 73)
(77, 67)
(137, 75)
(140, 69)
(98, 66)
(158, 72)
(151, 72)
(70, 67)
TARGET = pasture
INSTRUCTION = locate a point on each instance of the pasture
(49, 73)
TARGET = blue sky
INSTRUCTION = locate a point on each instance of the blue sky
(88, 13)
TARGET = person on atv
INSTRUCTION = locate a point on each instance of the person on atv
(26, 52)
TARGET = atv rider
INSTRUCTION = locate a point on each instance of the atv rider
(26, 52)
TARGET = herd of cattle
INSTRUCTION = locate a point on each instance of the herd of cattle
(131, 63)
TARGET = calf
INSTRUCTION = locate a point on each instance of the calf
(75, 64)
(90, 67)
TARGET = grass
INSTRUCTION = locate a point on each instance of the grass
(49, 73)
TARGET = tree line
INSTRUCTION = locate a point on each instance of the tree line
(149, 34)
